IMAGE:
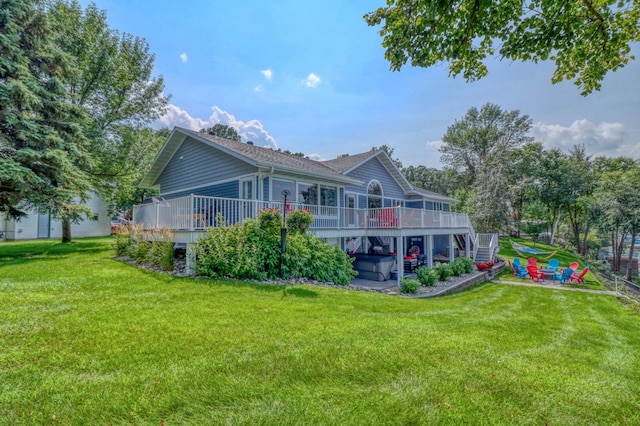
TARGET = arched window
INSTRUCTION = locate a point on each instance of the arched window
(374, 195)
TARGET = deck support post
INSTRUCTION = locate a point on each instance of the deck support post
(400, 258)
(451, 249)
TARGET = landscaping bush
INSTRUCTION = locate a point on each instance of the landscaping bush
(427, 276)
(445, 271)
(409, 286)
(468, 264)
(299, 221)
(459, 266)
(252, 251)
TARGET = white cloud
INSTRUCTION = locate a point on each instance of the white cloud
(258, 88)
(316, 157)
(606, 139)
(184, 57)
(251, 130)
(268, 73)
(312, 80)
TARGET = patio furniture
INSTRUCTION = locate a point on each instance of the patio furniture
(533, 261)
(520, 271)
(574, 265)
(548, 273)
(554, 264)
(410, 263)
(534, 273)
(579, 278)
(563, 276)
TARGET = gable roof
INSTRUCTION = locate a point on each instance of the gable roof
(350, 162)
(252, 154)
(432, 195)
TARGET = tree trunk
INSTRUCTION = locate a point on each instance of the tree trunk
(631, 247)
(66, 230)
(554, 229)
(585, 245)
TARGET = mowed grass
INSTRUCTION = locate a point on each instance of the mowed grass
(86, 339)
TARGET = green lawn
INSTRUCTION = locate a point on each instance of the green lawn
(87, 340)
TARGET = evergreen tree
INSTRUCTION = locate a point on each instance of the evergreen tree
(41, 134)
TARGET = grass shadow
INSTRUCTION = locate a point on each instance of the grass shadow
(300, 292)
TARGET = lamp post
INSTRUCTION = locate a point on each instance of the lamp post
(283, 233)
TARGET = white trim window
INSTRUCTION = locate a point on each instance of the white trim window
(374, 194)
(279, 185)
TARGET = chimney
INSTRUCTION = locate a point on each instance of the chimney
(249, 142)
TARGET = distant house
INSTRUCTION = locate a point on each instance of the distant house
(42, 225)
(361, 202)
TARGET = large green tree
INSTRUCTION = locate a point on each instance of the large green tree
(483, 135)
(113, 83)
(41, 133)
(585, 38)
(478, 147)
(223, 131)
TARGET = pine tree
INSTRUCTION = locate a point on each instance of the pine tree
(41, 135)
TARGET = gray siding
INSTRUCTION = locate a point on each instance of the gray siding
(373, 169)
(224, 190)
(200, 164)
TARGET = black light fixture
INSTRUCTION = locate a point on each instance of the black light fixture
(283, 233)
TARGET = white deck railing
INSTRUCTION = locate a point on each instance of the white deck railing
(196, 212)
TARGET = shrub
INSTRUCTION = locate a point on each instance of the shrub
(299, 221)
(427, 276)
(409, 286)
(445, 271)
(161, 251)
(252, 250)
(468, 264)
(122, 240)
(459, 266)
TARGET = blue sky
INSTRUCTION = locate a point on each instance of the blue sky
(310, 76)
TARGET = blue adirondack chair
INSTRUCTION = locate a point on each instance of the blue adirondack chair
(516, 261)
(563, 277)
(554, 264)
(520, 271)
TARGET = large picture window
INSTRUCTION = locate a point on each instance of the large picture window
(279, 185)
(374, 195)
(328, 196)
(308, 193)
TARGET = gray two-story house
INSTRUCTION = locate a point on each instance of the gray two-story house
(361, 202)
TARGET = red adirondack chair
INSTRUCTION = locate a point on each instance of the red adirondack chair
(580, 278)
(534, 273)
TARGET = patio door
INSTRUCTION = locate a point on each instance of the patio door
(247, 193)
(350, 211)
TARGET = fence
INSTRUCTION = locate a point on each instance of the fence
(196, 212)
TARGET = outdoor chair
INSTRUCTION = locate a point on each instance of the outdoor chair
(520, 271)
(535, 274)
(516, 261)
(563, 276)
(533, 261)
(387, 218)
(554, 264)
(580, 278)
(574, 266)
